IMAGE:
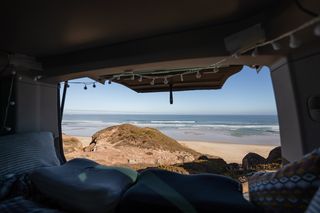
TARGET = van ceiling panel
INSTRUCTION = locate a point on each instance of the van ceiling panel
(210, 78)
(43, 28)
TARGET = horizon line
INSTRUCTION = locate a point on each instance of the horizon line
(101, 112)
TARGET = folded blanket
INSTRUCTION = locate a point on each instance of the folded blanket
(15, 185)
(22, 205)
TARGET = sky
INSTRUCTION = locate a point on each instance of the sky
(245, 93)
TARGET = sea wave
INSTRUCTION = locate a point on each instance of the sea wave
(171, 125)
(173, 122)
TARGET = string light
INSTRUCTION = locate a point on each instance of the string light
(36, 78)
(109, 82)
(152, 82)
(198, 75)
(85, 87)
(317, 30)
(94, 85)
(165, 81)
(294, 42)
(236, 55)
(275, 46)
(254, 52)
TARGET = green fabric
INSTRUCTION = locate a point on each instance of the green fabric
(132, 174)
(167, 192)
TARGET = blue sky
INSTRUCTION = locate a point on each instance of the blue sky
(243, 93)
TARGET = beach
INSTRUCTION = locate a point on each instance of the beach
(230, 152)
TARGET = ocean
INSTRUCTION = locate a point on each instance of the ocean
(241, 129)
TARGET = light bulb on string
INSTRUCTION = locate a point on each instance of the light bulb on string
(94, 85)
(275, 46)
(109, 82)
(140, 79)
(254, 52)
(317, 30)
(181, 77)
(165, 81)
(68, 85)
(119, 77)
(198, 75)
(236, 55)
(152, 82)
(215, 69)
(294, 42)
(132, 77)
(85, 87)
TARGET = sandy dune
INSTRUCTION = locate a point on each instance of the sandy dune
(231, 153)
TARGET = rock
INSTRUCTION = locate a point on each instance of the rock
(233, 167)
(251, 160)
(212, 165)
(90, 148)
(71, 144)
(275, 156)
(203, 157)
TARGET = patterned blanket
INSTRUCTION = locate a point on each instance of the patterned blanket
(18, 195)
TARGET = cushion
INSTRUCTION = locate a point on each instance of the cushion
(290, 189)
(82, 185)
(21, 153)
(164, 191)
(314, 206)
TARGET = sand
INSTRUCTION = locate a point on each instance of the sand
(231, 153)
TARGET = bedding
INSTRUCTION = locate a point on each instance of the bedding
(21, 153)
(17, 195)
(290, 189)
(82, 185)
(22, 205)
(163, 191)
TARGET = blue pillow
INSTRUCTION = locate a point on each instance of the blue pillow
(22, 153)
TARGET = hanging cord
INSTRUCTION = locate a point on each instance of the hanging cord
(8, 104)
(305, 10)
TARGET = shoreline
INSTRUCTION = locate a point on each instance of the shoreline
(230, 152)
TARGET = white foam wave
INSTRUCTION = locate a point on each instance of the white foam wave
(173, 122)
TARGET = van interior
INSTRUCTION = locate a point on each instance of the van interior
(152, 46)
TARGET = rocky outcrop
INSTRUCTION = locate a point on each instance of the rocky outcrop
(251, 160)
(275, 156)
(129, 144)
(133, 136)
